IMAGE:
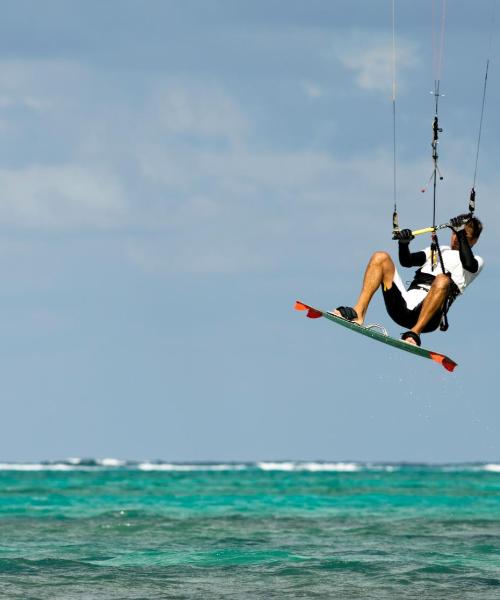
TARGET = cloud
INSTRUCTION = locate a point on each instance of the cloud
(39, 85)
(83, 165)
(312, 89)
(203, 111)
(28, 102)
(60, 196)
(181, 172)
(372, 63)
(248, 210)
(252, 211)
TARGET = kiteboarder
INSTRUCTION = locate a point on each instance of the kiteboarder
(444, 273)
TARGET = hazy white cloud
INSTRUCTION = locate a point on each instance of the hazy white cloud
(184, 162)
(60, 196)
(39, 85)
(372, 63)
(230, 212)
(201, 254)
(312, 89)
(203, 111)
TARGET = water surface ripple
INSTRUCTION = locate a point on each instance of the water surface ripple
(116, 530)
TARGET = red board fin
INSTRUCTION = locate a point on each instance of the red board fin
(447, 363)
(312, 313)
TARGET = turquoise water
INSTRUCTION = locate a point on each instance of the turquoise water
(87, 529)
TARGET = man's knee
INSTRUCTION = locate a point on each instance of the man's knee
(380, 257)
(441, 282)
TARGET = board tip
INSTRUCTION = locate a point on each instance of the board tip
(312, 313)
(447, 363)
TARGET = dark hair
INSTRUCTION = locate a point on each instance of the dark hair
(475, 227)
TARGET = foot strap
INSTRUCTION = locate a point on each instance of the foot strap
(412, 335)
(347, 313)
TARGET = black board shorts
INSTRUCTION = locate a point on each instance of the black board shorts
(397, 308)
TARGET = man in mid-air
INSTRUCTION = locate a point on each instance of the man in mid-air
(423, 306)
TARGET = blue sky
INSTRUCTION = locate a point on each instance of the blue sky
(174, 175)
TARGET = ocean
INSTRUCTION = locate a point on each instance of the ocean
(109, 529)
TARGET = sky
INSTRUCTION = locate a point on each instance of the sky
(174, 175)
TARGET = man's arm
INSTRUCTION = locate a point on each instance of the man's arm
(407, 258)
(469, 262)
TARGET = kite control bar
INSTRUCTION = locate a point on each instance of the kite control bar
(421, 231)
(430, 229)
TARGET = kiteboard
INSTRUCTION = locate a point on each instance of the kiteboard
(375, 332)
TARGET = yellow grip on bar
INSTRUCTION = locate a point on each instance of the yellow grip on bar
(425, 230)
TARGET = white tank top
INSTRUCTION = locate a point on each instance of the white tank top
(451, 260)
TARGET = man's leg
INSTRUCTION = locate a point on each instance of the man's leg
(380, 270)
(433, 302)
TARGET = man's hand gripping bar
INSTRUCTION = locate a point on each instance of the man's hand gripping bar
(430, 229)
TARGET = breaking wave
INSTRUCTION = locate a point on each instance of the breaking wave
(92, 464)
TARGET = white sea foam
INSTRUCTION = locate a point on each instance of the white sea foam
(386, 468)
(35, 467)
(493, 467)
(148, 466)
(276, 466)
(87, 464)
(340, 466)
(111, 462)
(308, 466)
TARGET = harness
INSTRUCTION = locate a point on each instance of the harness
(450, 297)
(423, 281)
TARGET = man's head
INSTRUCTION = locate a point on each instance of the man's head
(473, 229)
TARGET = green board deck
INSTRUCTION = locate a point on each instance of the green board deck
(315, 313)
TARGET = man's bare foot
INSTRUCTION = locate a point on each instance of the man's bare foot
(349, 314)
(411, 337)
